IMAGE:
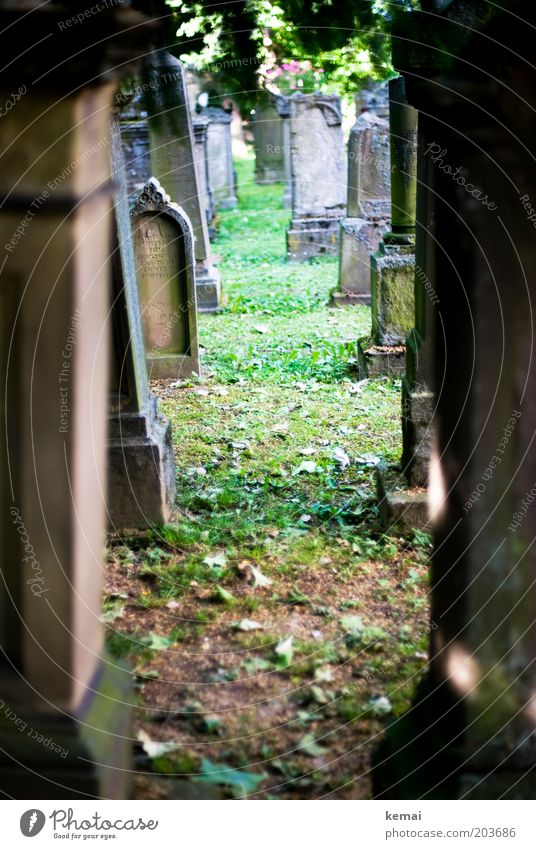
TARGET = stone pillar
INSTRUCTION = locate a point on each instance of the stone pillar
(470, 732)
(269, 145)
(164, 251)
(220, 157)
(283, 108)
(173, 162)
(318, 181)
(64, 709)
(392, 267)
(368, 206)
(141, 473)
(200, 127)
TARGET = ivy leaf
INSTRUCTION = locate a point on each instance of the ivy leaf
(240, 782)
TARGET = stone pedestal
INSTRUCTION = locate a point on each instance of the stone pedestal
(164, 251)
(141, 474)
(220, 157)
(470, 731)
(64, 708)
(392, 267)
(173, 162)
(200, 128)
(318, 181)
(269, 144)
(368, 206)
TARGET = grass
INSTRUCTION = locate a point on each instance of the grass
(268, 618)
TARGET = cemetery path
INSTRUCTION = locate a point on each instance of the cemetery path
(272, 628)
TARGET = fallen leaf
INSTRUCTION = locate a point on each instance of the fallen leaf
(155, 749)
(341, 457)
(309, 746)
(248, 625)
(217, 559)
(223, 595)
(259, 580)
(381, 706)
(307, 466)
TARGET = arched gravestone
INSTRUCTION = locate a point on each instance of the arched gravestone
(163, 247)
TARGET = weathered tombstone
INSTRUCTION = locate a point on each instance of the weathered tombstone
(141, 475)
(402, 493)
(173, 162)
(136, 146)
(163, 247)
(470, 731)
(318, 175)
(392, 267)
(64, 707)
(283, 108)
(368, 205)
(200, 128)
(220, 157)
(269, 144)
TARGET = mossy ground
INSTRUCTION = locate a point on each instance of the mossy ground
(278, 684)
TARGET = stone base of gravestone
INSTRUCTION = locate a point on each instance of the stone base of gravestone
(401, 508)
(417, 433)
(208, 288)
(308, 237)
(379, 360)
(359, 238)
(58, 756)
(141, 473)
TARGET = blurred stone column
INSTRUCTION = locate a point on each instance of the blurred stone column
(173, 162)
(470, 732)
(64, 709)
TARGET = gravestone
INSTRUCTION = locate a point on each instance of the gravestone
(470, 731)
(220, 157)
(136, 146)
(163, 247)
(368, 205)
(200, 128)
(173, 162)
(141, 474)
(318, 175)
(269, 143)
(64, 705)
(392, 267)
